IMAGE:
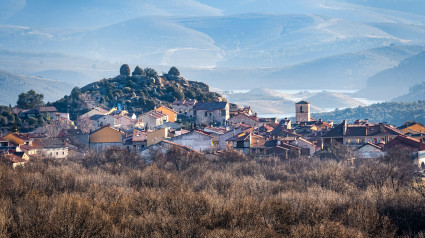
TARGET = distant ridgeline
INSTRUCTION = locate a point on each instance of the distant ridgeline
(396, 113)
(140, 92)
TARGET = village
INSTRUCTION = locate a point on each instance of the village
(210, 128)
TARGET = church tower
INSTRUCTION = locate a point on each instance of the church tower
(302, 111)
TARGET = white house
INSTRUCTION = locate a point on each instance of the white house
(196, 140)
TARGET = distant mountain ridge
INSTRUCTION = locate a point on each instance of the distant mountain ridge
(11, 85)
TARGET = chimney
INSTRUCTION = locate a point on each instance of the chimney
(381, 128)
(344, 129)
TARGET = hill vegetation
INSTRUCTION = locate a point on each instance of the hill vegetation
(396, 113)
(116, 194)
(136, 92)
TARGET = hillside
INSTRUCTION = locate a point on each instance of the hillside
(11, 85)
(395, 113)
(394, 82)
(326, 99)
(135, 94)
(416, 93)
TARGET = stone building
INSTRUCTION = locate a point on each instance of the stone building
(302, 111)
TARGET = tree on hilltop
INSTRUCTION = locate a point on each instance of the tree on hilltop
(174, 71)
(30, 100)
(138, 71)
(151, 73)
(125, 70)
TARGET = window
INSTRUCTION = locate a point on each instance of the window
(57, 153)
(63, 153)
(301, 109)
(240, 144)
(357, 141)
(206, 114)
(223, 113)
(348, 141)
(210, 114)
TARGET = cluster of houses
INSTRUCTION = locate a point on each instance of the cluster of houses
(214, 127)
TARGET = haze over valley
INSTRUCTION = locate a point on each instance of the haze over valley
(359, 46)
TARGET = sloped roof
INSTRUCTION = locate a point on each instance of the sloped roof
(362, 130)
(303, 102)
(47, 109)
(370, 144)
(406, 140)
(156, 114)
(52, 142)
(188, 102)
(139, 135)
(210, 106)
(101, 128)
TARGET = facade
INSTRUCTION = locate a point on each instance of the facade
(153, 119)
(302, 111)
(154, 137)
(50, 111)
(307, 148)
(369, 150)
(172, 115)
(207, 113)
(51, 147)
(196, 140)
(358, 135)
(105, 137)
(245, 119)
(184, 107)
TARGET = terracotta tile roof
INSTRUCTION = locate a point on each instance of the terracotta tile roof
(16, 157)
(52, 142)
(27, 147)
(240, 137)
(101, 128)
(20, 136)
(2, 139)
(139, 135)
(156, 114)
(406, 140)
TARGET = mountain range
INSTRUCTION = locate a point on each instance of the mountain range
(280, 44)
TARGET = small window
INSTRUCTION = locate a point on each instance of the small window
(57, 153)
(206, 114)
(301, 109)
(63, 153)
(223, 113)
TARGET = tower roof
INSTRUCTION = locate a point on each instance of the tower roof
(303, 102)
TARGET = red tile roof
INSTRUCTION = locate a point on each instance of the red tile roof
(156, 114)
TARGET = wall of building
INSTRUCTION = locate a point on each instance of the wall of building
(57, 153)
(106, 135)
(157, 136)
(195, 141)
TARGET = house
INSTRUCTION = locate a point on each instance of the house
(28, 149)
(18, 138)
(172, 115)
(235, 110)
(197, 140)
(17, 159)
(137, 141)
(105, 137)
(95, 111)
(99, 120)
(48, 112)
(415, 146)
(413, 128)
(163, 147)
(124, 122)
(184, 107)
(153, 119)
(369, 150)
(154, 137)
(207, 113)
(247, 142)
(358, 135)
(281, 132)
(51, 147)
(307, 147)
(170, 126)
(279, 152)
(75, 137)
(246, 119)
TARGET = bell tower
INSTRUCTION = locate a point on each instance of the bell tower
(302, 111)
